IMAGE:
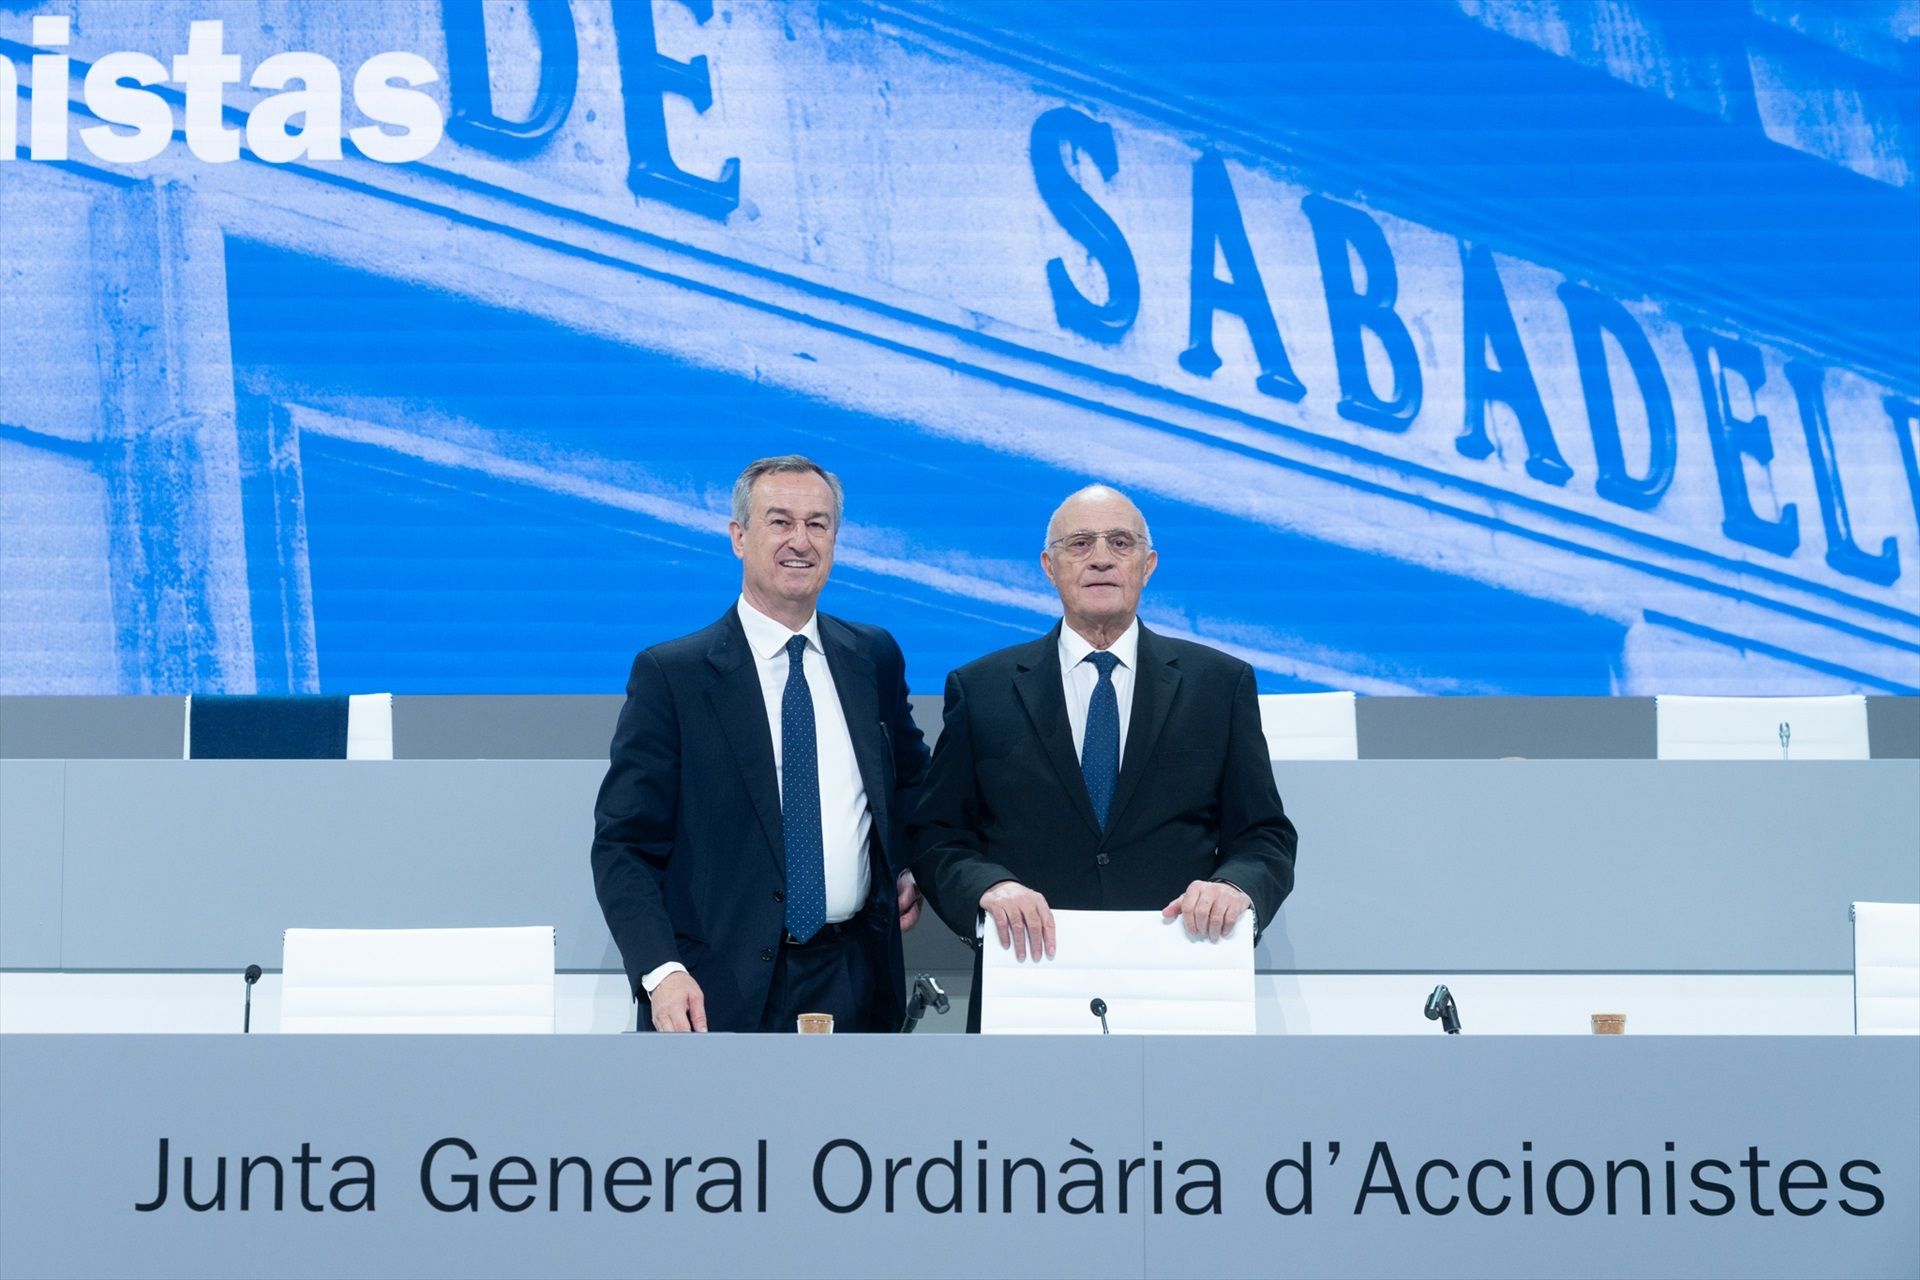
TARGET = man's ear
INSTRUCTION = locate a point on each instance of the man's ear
(738, 532)
(1046, 566)
(1151, 563)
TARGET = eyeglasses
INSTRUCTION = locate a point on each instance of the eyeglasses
(1078, 546)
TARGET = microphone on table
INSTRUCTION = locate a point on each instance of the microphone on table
(926, 992)
(1098, 1008)
(246, 1020)
(1440, 1006)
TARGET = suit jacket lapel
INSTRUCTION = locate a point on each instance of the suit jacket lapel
(741, 709)
(854, 681)
(1153, 687)
(1038, 684)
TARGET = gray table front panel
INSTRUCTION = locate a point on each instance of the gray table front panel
(201, 864)
(1443, 866)
(30, 848)
(578, 727)
(1488, 728)
(83, 1148)
(1423, 866)
(92, 727)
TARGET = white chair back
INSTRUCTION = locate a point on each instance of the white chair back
(417, 980)
(1691, 728)
(1154, 978)
(370, 726)
(1886, 968)
(1310, 726)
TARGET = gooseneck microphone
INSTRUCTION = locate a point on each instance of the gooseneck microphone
(246, 1019)
(1098, 1008)
(1440, 1006)
(926, 992)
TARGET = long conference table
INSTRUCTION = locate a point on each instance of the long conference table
(943, 1155)
(958, 1156)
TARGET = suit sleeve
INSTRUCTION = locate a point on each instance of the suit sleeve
(634, 821)
(1257, 841)
(910, 756)
(948, 860)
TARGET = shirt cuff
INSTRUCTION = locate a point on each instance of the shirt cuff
(1251, 913)
(655, 977)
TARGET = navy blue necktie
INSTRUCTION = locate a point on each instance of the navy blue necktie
(800, 800)
(1100, 749)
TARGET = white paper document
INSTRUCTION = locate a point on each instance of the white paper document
(1153, 976)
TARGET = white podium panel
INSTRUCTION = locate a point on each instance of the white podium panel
(1154, 978)
(1690, 728)
(1886, 968)
(1310, 726)
(418, 980)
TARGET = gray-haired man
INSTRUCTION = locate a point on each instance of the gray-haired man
(748, 847)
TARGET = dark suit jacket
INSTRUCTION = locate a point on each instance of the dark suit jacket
(1195, 798)
(689, 858)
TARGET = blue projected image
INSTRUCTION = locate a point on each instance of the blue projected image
(1448, 348)
(437, 578)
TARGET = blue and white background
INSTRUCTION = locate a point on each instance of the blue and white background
(1450, 346)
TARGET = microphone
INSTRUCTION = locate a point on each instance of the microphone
(1440, 1006)
(1098, 1008)
(246, 1020)
(925, 992)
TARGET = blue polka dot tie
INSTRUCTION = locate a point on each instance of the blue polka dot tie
(1100, 749)
(800, 800)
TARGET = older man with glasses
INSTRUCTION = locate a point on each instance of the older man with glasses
(1102, 766)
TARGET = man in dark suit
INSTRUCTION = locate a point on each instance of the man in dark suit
(1101, 766)
(748, 840)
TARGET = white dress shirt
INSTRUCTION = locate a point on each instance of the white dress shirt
(1078, 678)
(845, 820)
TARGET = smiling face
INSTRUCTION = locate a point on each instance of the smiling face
(786, 545)
(1101, 593)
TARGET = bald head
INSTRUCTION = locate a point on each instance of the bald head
(1098, 557)
(1098, 506)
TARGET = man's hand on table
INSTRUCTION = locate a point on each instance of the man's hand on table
(678, 1004)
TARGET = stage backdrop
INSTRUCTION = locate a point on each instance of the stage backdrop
(1472, 346)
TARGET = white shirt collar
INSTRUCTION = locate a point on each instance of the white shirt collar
(1074, 647)
(766, 637)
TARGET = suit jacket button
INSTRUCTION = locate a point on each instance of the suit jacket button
(779, 895)
(766, 953)
(1102, 859)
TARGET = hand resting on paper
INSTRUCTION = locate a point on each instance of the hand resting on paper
(1022, 918)
(1210, 907)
